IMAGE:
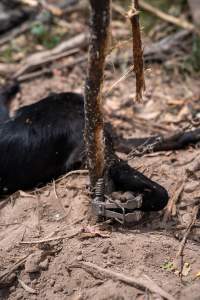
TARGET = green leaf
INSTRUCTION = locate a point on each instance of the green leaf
(38, 30)
(169, 266)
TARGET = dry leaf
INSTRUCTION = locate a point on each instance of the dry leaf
(197, 275)
(186, 269)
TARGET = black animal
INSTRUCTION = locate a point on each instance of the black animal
(45, 140)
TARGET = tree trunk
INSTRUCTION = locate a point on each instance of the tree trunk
(94, 126)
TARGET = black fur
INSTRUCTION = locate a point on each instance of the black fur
(45, 140)
(40, 142)
(125, 178)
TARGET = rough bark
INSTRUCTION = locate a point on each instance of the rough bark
(133, 15)
(94, 127)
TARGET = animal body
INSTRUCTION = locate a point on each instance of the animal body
(45, 140)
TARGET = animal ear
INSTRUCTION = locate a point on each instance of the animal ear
(7, 92)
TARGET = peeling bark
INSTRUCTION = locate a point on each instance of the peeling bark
(133, 15)
(94, 125)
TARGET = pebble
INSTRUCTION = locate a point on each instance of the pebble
(44, 264)
(79, 252)
(65, 291)
(118, 255)
(105, 249)
(109, 264)
(113, 262)
(58, 288)
(52, 282)
(186, 218)
(191, 186)
(34, 282)
(80, 257)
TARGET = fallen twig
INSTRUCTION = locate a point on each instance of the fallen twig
(187, 231)
(178, 262)
(49, 71)
(119, 9)
(26, 287)
(141, 283)
(75, 172)
(32, 64)
(9, 224)
(163, 48)
(65, 48)
(71, 173)
(46, 240)
(66, 212)
(14, 267)
(123, 77)
(173, 200)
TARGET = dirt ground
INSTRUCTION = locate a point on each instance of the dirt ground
(44, 232)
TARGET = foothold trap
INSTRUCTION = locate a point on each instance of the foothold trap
(121, 206)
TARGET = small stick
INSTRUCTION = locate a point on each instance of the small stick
(71, 173)
(187, 231)
(173, 200)
(119, 9)
(133, 15)
(46, 240)
(54, 188)
(66, 213)
(9, 224)
(26, 287)
(43, 60)
(142, 283)
(66, 48)
(49, 71)
(75, 172)
(122, 78)
(13, 268)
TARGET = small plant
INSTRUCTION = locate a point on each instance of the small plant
(39, 30)
(7, 55)
(169, 266)
(44, 36)
(195, 55)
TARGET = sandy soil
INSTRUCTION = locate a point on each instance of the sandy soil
(43, 232)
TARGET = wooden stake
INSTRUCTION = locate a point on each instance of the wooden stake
(94, 129)
(133, 15)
